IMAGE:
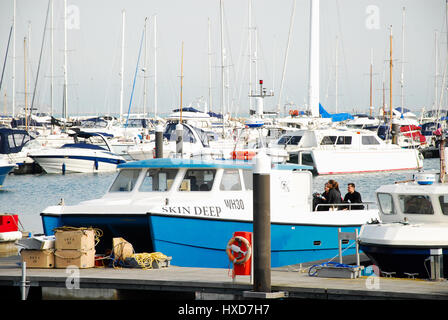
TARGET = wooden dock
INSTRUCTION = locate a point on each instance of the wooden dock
(202, 283)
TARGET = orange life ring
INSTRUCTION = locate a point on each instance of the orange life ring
(232, 247)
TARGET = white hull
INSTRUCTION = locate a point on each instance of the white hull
(363, 161)
(76, 161)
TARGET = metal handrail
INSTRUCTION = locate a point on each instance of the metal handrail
(344, 204)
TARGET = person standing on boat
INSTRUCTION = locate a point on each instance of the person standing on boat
(353, 196)
(334, 195)
(321, 199)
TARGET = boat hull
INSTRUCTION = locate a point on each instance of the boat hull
(403, 260)
(195, 242)
(4, 171)
(77, 164)
(327, 162)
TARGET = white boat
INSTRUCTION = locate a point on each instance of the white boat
(78, 157)
(189, 209)
(340, 151)
(247, 142)
(414, 220)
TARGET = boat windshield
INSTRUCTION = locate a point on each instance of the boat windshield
(415, 204)
(289, 140)
(125, 181)
(444, 203)
(198, 180)
(158, 180)
(386, 203)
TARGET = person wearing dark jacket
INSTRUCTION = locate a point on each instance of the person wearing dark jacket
(321, 199)
(353, 196)
(334, 195)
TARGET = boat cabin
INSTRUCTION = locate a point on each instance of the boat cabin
(330, 138)
(413, 202)
(189, 182)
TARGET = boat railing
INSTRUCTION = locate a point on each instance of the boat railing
(343, 206)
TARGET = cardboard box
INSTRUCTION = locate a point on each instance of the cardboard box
(37, 242)
(79, 258)
(38, 258)
(82, 239)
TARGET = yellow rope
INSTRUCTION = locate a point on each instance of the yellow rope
(145, 259)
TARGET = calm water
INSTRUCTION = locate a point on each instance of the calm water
(28, 195)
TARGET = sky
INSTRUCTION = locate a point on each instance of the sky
(357, 28)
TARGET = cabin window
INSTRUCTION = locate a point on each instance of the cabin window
(386, 203)
(444, 203)
(158, 180)
(230, 180)
(369, 140)
(125, 181)
(290, 140)
(198, 180)
(415, 204)
(248, 179)
(328, 140)
(344, 140)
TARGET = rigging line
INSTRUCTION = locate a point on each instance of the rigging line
(342, 44)
(40, 58)
(135, 76)
(6, 57)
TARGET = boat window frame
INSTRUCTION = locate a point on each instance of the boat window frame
(419, 205)
(345, 140)
(169, 182)
(324, 141)
(380, 203)
(443, 207)
(234, 187)
(122, 189)
(372, 138)
(187, 185)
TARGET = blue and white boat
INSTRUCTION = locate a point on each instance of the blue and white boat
(5, 168)
(189, 209)
(79, 157)
(414, 221)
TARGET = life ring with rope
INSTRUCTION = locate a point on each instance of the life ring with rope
(234, 245)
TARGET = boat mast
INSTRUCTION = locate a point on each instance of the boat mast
(222, 63)
(181, 81)
(24, 68)
(402, 64)
(52, 58)
(435, 71)
(313, 92)
(145, 68)
(286, 55)
(336, 75)
(250, 53)
(123, 22)
(14, 61)
(155, 66)
(209, 67)
(65, 104)
(371, 85)
(390, 79)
